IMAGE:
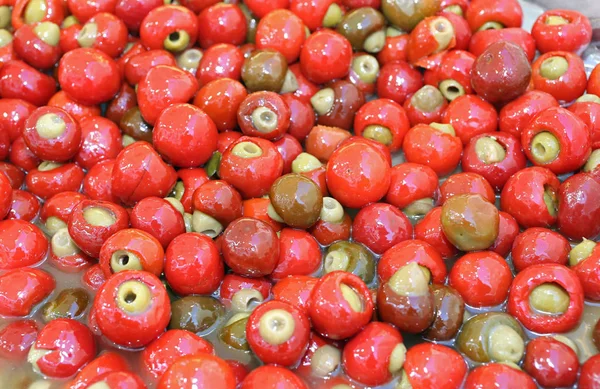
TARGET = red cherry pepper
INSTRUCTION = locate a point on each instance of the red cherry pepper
(508, 229)
(22, 244)
(93, 222)
(430, 365)
(496, 156)
(325, 56)
(124, 100)
(515, 115)
(593, 85)
(427, 105)
(132, 308)
(21, 81)
(327, 232)
(412, 183)
(579, 207)
(233, 283)
(97, 183)
(139, 64)
(58, 208)
(77, 111)
(159, 218)
(312, 12)
(165, 350)
(467, 183)
(49, 179)
(105, 32)
(588, 378)
(374, 354)
(68, 37)
(120, 379)
(131, 249)
(428, 39)
(201, 370)
(382, 120)
(484, 14)
(336, 295)
(16, 339)
(54, 11)
(289, 148)
(101, 139)
(283, 31)
(471, 115)
(551, 362)
(589, 112)
(433, 146)
(530, 197)
(323, 140)
(133, 12)
(6, 191)
(295, 290)
(462, 31)
(21, 157)
(306, 89)
(481, 278)
(14, 123)
(263, 114)
(562, 29)
(429, 229)
(299, 254)
(262, 8)
(380, 226)
(35, 48)
(84, 10)
(397, 81)
(587, 269)
(22, 289)
(412, 251)
(93, 278)
(532, 277)
(62, 347)
(240, 371)
(172, 27)
(272, 377)
(52, 134)
(559, 73)
(536, 246)
(482, 39)
(24, 206)
(218, 200)
(15, 176)
(65, 255)
(258, 209)
(220, 99)
(453, 75)
(221, 23)
(220, 61)
(498, 375)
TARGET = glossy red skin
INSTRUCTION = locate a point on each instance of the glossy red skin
(220, 99)
(33, 50)
(198, 5)
(306, 89)
(133, 48)
(15, 176)
(132, 12)
(159, 218)
(499, 375)
(71, 343)
(24, 206)
(200, 370)
(146, 247)
(358, 174)
(132, 330)
(84, 10)
(579, 207)
(220, 61)
(93, 278)
(417, 116)
(251, 177)
(162, 21)
(184, 135)
(283, 31)
(14, 123)
(257, 209)
(139, 64)
(101, 140)
(68, 38)
(6, 191)
(467, 183)
(552, 363)
(319, 177)
(430, 365)
(21, 81)
(523, 196)
(311, 12)
(7, 53)
(515, 115)
(192, 179)
(125, 99)
(219, 200)
(327, 232)
(506, 12)
(250, 247)
(71, 263)
(162, 87)
(221, 23)
(351, 4)
(394, 49)
(121, 380)
(272, 377)
(470, 116)
(482, 278)
(481, 40)
(193, 264)
(380, 226)
(533, 276)
(386, 113)
(90, 238)
(55, 12)
(59, 149)
(295, 290)
(131, 181)
(299, 254)
(82, 70)
(112, 34)
(232, 283)
(165, 350)
(429, 229)
(593, 85)
(240, 371)
(97, 183)
(325, 56)
(536, 246)
(289, 148)
(262, 8)
(4, 145)
(21, 157)
(573, 36)
(366, 357)
(326, 301)
(588, 273)
(45, 184)
(287, 353)
(409, 251)
(438, 150)
(411, 182)
(16, 339)
(397, 81)
(61, 205)
(499, 172)
(588, 379)
(270, 100)
(567, 87)
(77, 111)
(422, 46)
(455, 65)
(462, 31)
(106, 363)
(589, 113)
(508, 229)
(22, 289)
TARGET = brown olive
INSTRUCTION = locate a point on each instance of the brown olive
(470, 222)
(233, 332)
(449, 313)
(135, 126)
(69, 304)
(251, 23)
(501, 73)
(264, 70)
(596, 335)
(337, 104)
(492, 336)
(350, 257)
(364, 28)
(195, 313)
(406, 300)
(406, 14)
(297, 200)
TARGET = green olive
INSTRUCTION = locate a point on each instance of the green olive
(5, 16)
(264, 70)
(333, 16)
(470, 222)
(379, 134)
(588, 98)
(251, 23)
(48, 32)
(406, 14)
(350, 257)
(177, 41)
(545, 147)
(233, 333)
(581, 252)
(549, 298)
(427, 99)
(451, 89)
(69, 304)
(5, 37)
(554, 67)
(88, 34)
(359, 25)
(134, 125)
(189, 60)
(212, 166)
(489, 150)
(550, 200)
(305, 162)
(491, 26)
(35, 11)
(420, 207)
(366, 68)
(492, 336)
(196, 314)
